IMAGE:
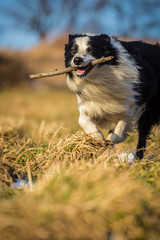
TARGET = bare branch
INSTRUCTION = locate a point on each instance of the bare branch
(69, 69)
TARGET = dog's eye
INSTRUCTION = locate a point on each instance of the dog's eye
(89, 49)
(73, 51)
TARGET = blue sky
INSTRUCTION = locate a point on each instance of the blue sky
(12, 36)
(18, 38)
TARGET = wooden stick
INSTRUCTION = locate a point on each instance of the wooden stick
(69, 69)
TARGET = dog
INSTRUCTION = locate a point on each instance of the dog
(119, 93)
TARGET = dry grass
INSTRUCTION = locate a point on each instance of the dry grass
(82, 189)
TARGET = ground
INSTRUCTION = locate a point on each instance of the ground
(81, 189)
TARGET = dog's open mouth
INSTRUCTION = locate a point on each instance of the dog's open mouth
(83, 71)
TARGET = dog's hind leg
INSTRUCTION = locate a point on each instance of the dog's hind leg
(144, 126)
(119, 133)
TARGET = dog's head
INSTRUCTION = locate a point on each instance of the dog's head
(84, 48)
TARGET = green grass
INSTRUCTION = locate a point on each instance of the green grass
(82, 190)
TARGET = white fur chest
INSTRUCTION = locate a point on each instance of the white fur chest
(102, 97)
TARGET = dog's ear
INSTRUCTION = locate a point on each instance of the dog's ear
(71, 37)
(105, 39)
(105, 44)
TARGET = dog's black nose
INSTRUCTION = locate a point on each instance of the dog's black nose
(78, 60)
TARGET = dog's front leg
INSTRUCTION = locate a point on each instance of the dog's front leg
(90, 128)
(119, 133)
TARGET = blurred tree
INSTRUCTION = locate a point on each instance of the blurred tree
(48, 17)
(36, 16)
(138, 17)
(82, 13)
(13, 71)
(42, 16)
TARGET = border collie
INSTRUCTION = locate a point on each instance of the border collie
(117, 94)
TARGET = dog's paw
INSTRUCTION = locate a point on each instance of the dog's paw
(114, 138)
(97, 136)
(129, 158)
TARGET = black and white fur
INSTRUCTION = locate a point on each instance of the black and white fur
(116, 93)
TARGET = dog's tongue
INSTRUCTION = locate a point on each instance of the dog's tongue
(80, 71)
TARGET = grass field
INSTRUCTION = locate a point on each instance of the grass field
(82, 190)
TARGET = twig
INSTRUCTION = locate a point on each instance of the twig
(29, 175)
(69, 69)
